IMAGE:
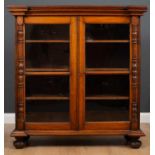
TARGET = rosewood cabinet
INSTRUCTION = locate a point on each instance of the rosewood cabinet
(77, 71)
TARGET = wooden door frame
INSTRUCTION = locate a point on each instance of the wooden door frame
(83, 125)
(72, 21)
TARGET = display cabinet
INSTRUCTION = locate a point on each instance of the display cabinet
(77, 71)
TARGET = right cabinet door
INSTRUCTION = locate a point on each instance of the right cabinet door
(104, 69)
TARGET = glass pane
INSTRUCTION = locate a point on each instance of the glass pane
(47, 85)
(107, 55)
(47, 32)
(47, 55)
(47, 111)
(107, 31)
(107, 85)
(107, 110)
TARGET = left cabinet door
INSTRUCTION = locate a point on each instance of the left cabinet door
(50, 73)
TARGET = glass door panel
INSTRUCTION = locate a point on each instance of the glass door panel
(48, 52)
(107, 31)
(107, 55)
(47, 32)
(107, 98)
(47, 55)
(47, 46)
(105, 72)
(109, 85)
(107, 45)
(47, 98)
(107, 110)
(47, 111)
(47, 86)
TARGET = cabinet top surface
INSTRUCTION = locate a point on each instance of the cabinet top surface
(76, 10)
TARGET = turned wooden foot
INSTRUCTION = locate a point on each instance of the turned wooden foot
(133, 142)
(21, 142)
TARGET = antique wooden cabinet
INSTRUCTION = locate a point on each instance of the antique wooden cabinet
(77, 71)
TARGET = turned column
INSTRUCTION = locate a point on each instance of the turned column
(19, 134)
(135, 81)
(135, 74)
(20, 78)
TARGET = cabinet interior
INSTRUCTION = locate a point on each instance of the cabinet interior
(47, 58)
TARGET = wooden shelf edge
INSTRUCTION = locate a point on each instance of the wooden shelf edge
(105, 72)
(108, 69)
(47, 41)
(107, 97)
(107, 41)
(46, 73)
(47, 69)
(98, 71)
(47, 98)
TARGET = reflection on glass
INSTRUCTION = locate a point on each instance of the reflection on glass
(47, 85)
(47, 55)
(107, 55)
(107, 85)
(47, 32)
(107, 31)
(47, 111)
(107, 110)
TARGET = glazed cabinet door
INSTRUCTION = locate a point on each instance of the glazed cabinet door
(104, 67)
(50, 73)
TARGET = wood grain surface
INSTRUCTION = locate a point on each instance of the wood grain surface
(77, 145)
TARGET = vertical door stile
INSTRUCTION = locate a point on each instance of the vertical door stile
(81, 74)
(73, 73)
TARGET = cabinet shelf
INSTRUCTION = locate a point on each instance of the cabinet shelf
(98, 71)
(46, 73)
(65, 69)
(47, 41)
(107, 41)
(47, 97)
(107, 97)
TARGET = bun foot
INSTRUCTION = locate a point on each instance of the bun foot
(19, 143)
(135, 144)
(133, 141)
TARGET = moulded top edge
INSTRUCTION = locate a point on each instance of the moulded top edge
(21, 9)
